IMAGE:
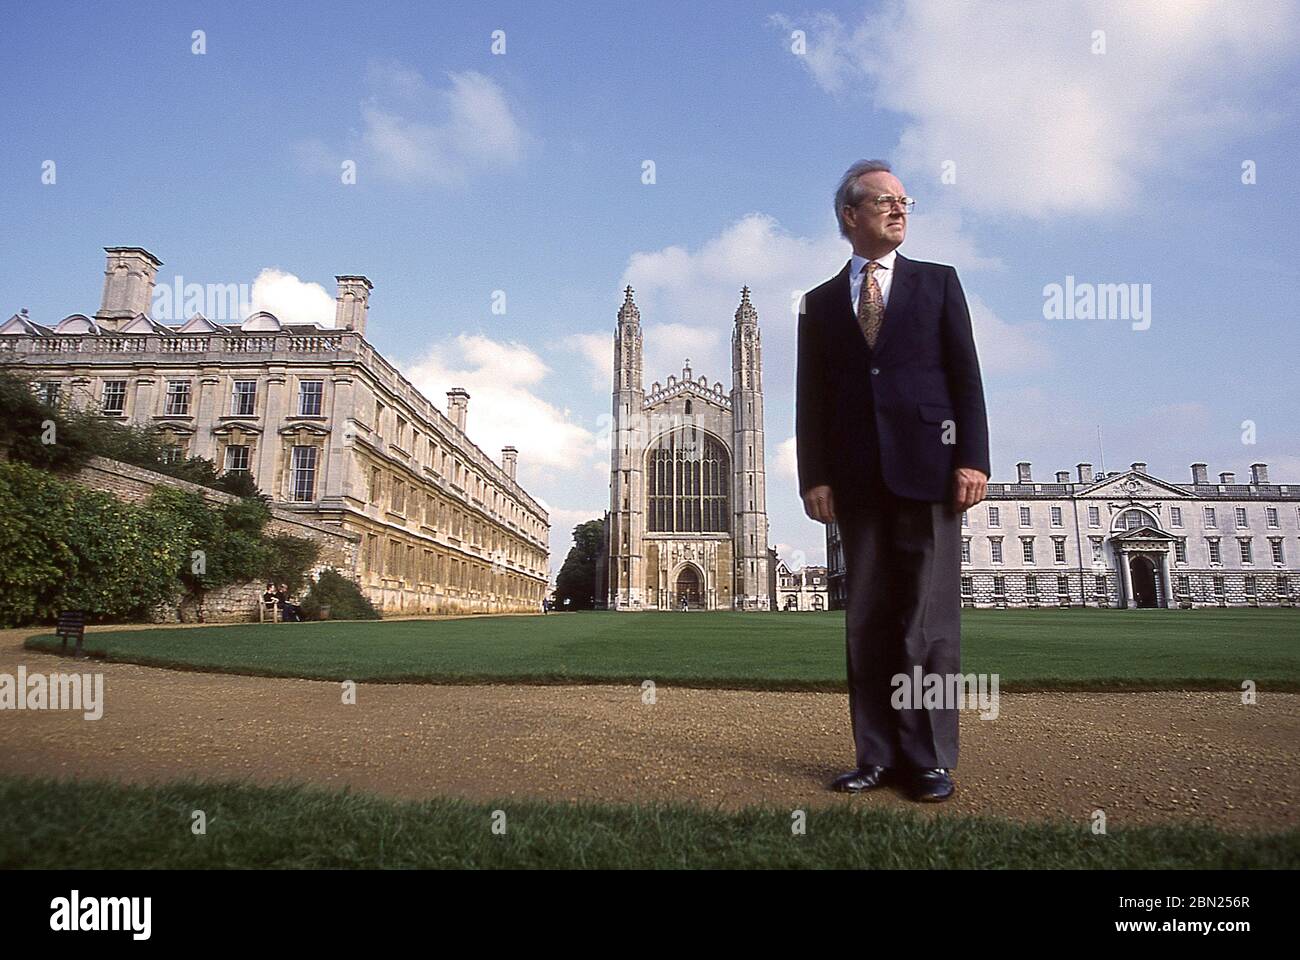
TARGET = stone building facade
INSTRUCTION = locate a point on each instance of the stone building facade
(687, 522)
(803, 589)
(1126, 539)
(327, 427)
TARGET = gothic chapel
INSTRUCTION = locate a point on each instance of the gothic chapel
(687, 522)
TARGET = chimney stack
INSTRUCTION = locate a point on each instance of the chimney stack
(509, 459)
(1062, 476)
(1200, 473)
(128, 285)
(1227, 477)
(1022, 472)
(1138, 467)
(353, 302)
(458, 406)
(1259, 473)
(1085, 472)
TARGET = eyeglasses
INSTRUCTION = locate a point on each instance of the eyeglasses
(885, 202)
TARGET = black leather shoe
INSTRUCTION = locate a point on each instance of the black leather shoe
(855, 781)
(932, 786)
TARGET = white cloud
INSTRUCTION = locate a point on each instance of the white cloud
(688, 299)
(798, 556)
(414, 133)
(787, 463)
(1003, 347)
(292, 300)
(597, 349)
(1037, 123)
(504, 408)
(669, 345)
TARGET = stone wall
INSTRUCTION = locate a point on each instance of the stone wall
(236, 602)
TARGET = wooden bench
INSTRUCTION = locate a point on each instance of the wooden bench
(268, 611)
(72, 625)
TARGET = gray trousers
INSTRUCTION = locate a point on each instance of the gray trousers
(902, 560)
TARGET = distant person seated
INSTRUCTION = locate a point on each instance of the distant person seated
(289, 612)
(269, 596)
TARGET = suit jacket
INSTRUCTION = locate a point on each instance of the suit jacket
(864, 414)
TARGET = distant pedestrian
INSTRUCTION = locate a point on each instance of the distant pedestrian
(289, 612)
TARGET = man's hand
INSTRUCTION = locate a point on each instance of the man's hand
(819, 504)
(968, 488)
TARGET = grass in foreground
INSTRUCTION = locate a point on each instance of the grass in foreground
(1028, 649)
(49, 824)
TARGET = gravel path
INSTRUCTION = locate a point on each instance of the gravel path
(1143, 758)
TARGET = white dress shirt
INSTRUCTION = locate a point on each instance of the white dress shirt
(858, 276)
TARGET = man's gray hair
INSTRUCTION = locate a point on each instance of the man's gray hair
(851, 192)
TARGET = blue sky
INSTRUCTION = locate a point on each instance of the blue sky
(522, 172)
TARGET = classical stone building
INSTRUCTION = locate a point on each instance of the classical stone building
(1126, 539)
(687, 518)
(326, 425)
(803, 589)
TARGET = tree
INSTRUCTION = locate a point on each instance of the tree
(41, 435)
(576, 578)
(335, 597)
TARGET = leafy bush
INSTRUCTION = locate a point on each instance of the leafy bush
(339, 597)
(66, 547)
(241, 484)
(289, 559)
(233, 545)
(141, 446)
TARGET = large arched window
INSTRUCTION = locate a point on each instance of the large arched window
(1133, 518)
(688, 483)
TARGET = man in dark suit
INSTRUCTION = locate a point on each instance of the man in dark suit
(892, 442)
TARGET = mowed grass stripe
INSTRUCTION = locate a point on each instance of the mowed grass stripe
(46, 824)
(1028, 649)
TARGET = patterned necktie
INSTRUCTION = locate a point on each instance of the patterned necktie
(871, 306)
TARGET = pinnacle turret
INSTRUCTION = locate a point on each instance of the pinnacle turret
(745, 313)
(628, 312)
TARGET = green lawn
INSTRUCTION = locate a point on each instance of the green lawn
(1028, 649)
(46, 824)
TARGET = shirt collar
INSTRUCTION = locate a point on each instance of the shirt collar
(860, 263)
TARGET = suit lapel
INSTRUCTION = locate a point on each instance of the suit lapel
(901, 290)
(843, 295)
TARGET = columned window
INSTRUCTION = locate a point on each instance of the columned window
(114, 401)
(243, 398)
(688, 479)
(177, 403)
(303, 477)
(237, 458)
(309, 397)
